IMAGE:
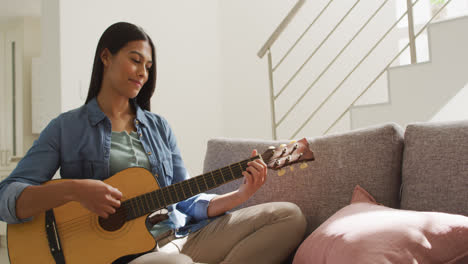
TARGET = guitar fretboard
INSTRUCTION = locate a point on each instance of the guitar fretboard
(161, 198)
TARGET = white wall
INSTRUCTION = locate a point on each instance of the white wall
(244, 27)
(455, 109)
(46, 98)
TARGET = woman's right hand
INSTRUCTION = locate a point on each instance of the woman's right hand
(97, 196)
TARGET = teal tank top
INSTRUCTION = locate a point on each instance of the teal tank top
(126, 152)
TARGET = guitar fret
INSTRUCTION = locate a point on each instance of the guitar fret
(197, 184)
(189, 187)
(164, 197)
(152, 201)
(128, 206)
(236, 171)
(183, 191)
(170, 192)
(204, 180)
(145, 199)
(167, 195)
(188, 183)
(160, 205)
(137, 209)
(232, 173)
(175, 191)
(211, 181)
(127, 209)
(160, 196)
(220, 178)
(240, 166)
(140, 199)
(135, 206)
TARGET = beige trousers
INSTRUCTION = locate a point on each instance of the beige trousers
(265, 233)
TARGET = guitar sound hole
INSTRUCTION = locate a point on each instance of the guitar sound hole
(114, 221)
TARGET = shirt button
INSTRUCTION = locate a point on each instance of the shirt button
(141, 135)
(149, 152)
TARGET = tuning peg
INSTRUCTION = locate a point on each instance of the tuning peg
(283, 151)
(295, 147)
(304, 165)
(272, 147)
(281, 172)
(292, 141)
(282, 145)
(277, 163)
(289, 158)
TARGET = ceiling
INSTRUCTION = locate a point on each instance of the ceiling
(19, 8)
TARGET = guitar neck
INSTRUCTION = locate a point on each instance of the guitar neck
(161, 198)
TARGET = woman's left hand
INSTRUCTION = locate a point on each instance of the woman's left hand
(254, 177)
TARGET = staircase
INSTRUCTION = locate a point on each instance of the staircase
(376, 90)
(435, 82)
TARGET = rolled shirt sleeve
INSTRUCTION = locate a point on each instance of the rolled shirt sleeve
(196, 206)
(8, 205)
(38, 165)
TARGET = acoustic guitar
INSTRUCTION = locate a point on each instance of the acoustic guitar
(72, 234)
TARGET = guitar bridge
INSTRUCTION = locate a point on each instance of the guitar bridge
(53, 237)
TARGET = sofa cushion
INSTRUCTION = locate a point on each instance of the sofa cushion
(367, 233)
(369, 157)
(435, 167)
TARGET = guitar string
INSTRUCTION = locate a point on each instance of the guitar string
(67, 234)
(73, 223)
(209, 183)
(214, 182)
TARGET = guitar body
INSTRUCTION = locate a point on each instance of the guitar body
(83, 240)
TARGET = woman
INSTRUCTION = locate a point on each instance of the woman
(115, 130)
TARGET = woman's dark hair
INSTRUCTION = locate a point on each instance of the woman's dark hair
(115, 38)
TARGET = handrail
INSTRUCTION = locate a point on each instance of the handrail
(302, 35)
(274, 36)
(386, 68)
(411, 37)
(333, 61)
(316, 49)
(349, 74)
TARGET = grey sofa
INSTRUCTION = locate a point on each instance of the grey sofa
(424, 168)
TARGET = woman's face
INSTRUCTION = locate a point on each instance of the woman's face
(127, 70)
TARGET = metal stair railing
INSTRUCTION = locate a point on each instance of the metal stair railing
(347, 76)
(267, 47)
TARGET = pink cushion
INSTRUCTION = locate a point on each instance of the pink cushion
(365, 232)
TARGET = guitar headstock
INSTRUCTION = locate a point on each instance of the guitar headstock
(285, 155)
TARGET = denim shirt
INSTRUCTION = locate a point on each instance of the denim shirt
(78, 142)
